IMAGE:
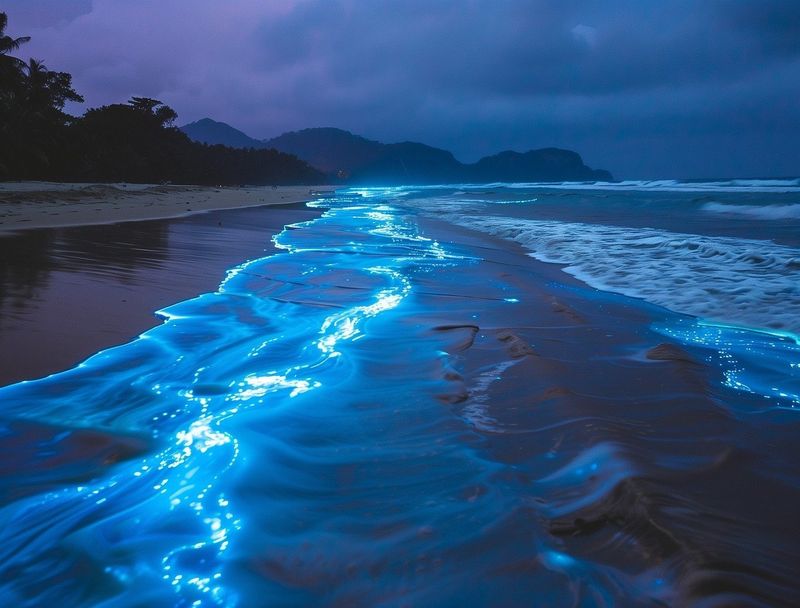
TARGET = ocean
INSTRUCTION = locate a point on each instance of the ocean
(482, 395)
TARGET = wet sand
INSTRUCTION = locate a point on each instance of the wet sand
(25, 205)
(505, 433)
(68, 292)
(640, 460)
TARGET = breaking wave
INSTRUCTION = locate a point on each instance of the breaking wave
(748, 282)
(756, 212)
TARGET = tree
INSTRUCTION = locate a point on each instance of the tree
(162, 112)
(134, 141)
(9, 44)
(10, 67)
(32, 121)
(46, 89)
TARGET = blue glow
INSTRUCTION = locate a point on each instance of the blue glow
(209, 364)
(316, 414)
(762, 363)
(557, 560)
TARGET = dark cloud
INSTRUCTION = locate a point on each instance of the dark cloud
(643, 88)
(45, 13)
(773, 24)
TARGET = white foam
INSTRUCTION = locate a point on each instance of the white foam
(758, 212)
(668, 185)
(747, 282)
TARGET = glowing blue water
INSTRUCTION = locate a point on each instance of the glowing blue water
(309, 435)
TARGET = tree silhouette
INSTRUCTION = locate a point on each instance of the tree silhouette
(133, 142)
(9, 44)
(163, 113)
(46, 89)
(32, 121)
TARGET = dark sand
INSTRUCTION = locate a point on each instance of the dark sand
(659, 459)
(66, 293)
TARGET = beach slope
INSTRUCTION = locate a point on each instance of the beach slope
(46, 204)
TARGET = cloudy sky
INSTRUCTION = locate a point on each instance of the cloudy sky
(644, 88)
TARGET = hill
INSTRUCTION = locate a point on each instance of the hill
(207, 131)
(357, 160)
(547, 164)
(328, 149)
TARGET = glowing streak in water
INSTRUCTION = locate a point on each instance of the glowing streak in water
(748, 358)
(192, 390)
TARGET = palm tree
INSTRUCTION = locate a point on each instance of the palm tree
(10, 68)
(8, 44)
(32, 99)
(47, 89)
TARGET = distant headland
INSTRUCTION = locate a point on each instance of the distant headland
(351, 158)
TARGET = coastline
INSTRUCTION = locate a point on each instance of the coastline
(553, 408)
(27, 205)
(108, 280)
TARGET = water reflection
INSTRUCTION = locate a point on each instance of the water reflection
(25, 262)
(106, 280)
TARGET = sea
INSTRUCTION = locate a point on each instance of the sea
(561, 394)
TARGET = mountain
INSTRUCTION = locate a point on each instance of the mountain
(410, 163)
(360, 160)
(535, 166)
(357, 160)
(209, 131)
(328, 149)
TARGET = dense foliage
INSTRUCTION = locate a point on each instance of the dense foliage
(133, 142)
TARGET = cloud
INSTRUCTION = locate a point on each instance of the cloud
(473, 75)
(32, 14)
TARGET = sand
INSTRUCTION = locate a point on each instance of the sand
(108, 279)
(45, 204)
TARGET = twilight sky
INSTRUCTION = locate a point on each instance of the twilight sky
(644, 88)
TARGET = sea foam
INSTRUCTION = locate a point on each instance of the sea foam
(668, 185)
(756, 212)
(741, 281)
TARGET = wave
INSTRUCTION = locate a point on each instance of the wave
(668, 185)
(171, 409)
(741, 281)
(759, 212)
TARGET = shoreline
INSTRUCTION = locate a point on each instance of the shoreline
(29, 205)
(527, 381)
(109, 280)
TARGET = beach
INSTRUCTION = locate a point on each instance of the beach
(420, 396)
(85, 267)
(26, 205)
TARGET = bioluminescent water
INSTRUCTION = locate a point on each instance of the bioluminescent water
(403, 407)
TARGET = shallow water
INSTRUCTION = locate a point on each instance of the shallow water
(66, 293)
(398, 411)
(721, 251)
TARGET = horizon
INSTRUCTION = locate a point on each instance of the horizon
(634, 89)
